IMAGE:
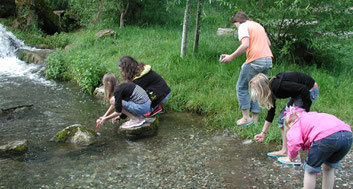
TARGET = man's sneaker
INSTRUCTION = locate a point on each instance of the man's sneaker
(132, 124)
(154, 112)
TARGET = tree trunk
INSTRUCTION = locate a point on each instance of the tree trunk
(185, 30)
(95, 20)
(197, 31)
(122, 14)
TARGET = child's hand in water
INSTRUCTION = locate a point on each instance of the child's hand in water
(116, 119)
(260, 137)
(98, 122)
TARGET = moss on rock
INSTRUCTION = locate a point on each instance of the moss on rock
(12, 148)
(76, 134)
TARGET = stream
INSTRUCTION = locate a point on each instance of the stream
(183, 154)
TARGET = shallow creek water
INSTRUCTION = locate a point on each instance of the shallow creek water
(184, 154)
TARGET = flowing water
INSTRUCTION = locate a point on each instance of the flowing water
(183, 154)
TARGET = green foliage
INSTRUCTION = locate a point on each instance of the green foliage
(296, 28)
(58, 5)
(36, 37)
(56, 68)
(86, 72)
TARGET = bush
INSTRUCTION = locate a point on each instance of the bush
(56, 68)
(296, 28)
(87, 71)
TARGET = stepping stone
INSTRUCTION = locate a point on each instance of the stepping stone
(14, 148)
(149, 128)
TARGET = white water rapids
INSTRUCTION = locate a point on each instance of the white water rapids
(11, 66)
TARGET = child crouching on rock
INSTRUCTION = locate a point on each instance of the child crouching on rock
(128, 98)
(327, 138)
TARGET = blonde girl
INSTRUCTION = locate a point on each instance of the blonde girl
(327, 138)
(300, 88)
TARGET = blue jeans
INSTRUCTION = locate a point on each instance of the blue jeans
(137, 109)
(314, 94)
(248, 71)
(329, 150)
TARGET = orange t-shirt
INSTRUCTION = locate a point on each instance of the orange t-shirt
(258, 45)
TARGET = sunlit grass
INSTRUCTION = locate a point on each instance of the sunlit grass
(200, 83)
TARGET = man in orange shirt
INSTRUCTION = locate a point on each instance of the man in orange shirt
(255, 42)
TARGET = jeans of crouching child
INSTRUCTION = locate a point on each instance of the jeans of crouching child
(329, 150)
(314, 94)
(137, 109)
(248, 71)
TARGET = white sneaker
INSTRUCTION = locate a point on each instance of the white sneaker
(132, 124)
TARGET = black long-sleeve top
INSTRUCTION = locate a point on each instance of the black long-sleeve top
(129, 91)
(291, 84)
(155, 86)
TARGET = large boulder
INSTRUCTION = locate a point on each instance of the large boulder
(76, 134)
(33, 56)
(149, 128)
(14, 148)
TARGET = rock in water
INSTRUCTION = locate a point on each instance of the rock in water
(76, 134)
(17, 147)
(16, 109)
(149, 128)
(99, 92)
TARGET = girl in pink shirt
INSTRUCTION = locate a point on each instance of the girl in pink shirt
(327, 138)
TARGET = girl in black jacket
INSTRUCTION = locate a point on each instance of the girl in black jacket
(300, 88)
(142, 75)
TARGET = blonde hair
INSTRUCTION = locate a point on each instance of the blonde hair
(260, 91)
(291, 114)
(110, 81)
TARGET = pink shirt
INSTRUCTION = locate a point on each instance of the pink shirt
(310, 127)
(258, 44)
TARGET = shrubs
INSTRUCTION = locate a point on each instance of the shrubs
(298, 29)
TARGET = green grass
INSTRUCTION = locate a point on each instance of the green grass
(199, 83)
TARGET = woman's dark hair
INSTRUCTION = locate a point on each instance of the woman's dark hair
(130, 68)
(240, 17)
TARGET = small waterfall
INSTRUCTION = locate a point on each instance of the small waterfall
(9, 43)
(11, 66)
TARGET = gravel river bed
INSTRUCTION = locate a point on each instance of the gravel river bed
(182, 155)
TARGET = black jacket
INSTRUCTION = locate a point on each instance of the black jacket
(290, 84)
(155, 86)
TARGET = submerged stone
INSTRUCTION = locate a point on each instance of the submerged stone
(76, 134)
(15, 109)
(17, 147)
(149, 128)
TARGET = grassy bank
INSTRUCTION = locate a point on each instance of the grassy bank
(199, 82)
